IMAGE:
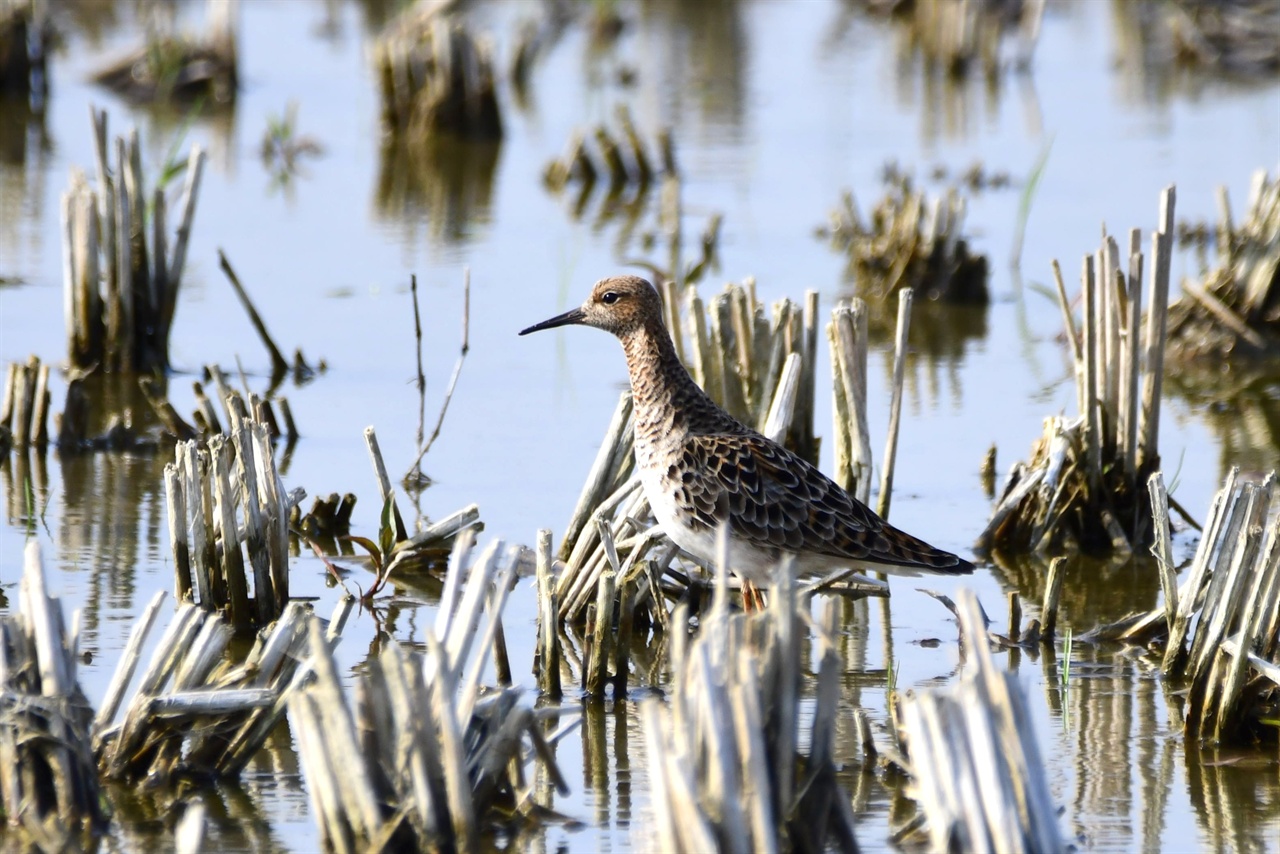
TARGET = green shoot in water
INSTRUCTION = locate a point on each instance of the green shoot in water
(1024, 203)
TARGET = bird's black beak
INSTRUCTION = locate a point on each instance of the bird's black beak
(572, 316)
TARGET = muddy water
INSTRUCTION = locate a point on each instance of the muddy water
(774, 110)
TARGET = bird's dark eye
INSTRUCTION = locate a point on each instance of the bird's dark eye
(609, 298)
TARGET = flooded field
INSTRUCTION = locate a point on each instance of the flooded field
(774, 110)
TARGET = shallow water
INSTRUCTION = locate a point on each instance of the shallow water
(774, 110)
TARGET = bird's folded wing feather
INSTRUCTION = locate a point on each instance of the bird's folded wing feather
(778, 501)
(774, 498)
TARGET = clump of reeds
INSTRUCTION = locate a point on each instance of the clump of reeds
(436, 77)
(759, 369)
(49, 792)
(24, 413)
(207, 487)
(1082, 488)
(427, 758)
(120, 279)
(198, 712)
(329, 517)
(621, 159)
(621, 164)
(173, 67)
(25, 38)
(1220, 629)
(614, 607)
(724, 757)
(975, 766)
(957, 36)
(1235, 309)
(908, 241)
(1235, 37)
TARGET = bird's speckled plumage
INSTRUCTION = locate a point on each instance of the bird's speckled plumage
(699, 464)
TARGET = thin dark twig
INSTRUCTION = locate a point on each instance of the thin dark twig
(457, 368)
(278, 362)
(422, 379)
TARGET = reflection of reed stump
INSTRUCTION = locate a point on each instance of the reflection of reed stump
(179, 67)
(1235, 309)
(1083, 487)
(437, 78)
(908, 241)
(445, 181)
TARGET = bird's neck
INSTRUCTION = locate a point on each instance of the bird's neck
(668, 404)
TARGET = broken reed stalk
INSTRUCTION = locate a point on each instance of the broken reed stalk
(895, 406)
(386, 492)
(1228, 607)
(976, 769)
(49, 789)
(1083, 488)
(847, 334)
(547, 658)
(205, 487)
(279, 364)
(729, 344)
(423, 761)
(196, 711)
(722, 752)
(120, 289)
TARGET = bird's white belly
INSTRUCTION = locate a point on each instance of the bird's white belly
(744, 559)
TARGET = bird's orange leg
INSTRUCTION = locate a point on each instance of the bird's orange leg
(752, 597)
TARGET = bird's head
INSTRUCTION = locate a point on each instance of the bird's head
(619, 304)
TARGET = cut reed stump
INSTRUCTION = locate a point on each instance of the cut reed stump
(619, 158)
(120, 279)
(723, 756)
(1220, 629)
(179, 67)
(976, 770)
(961, 38)
(908, 241)
(207, 487)
(1234, 311)
(425, 761)
(436, 77)
(49, 791)
(24, 413)
(1083, 488)
(198, 712)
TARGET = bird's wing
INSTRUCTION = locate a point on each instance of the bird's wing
(779, 501)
